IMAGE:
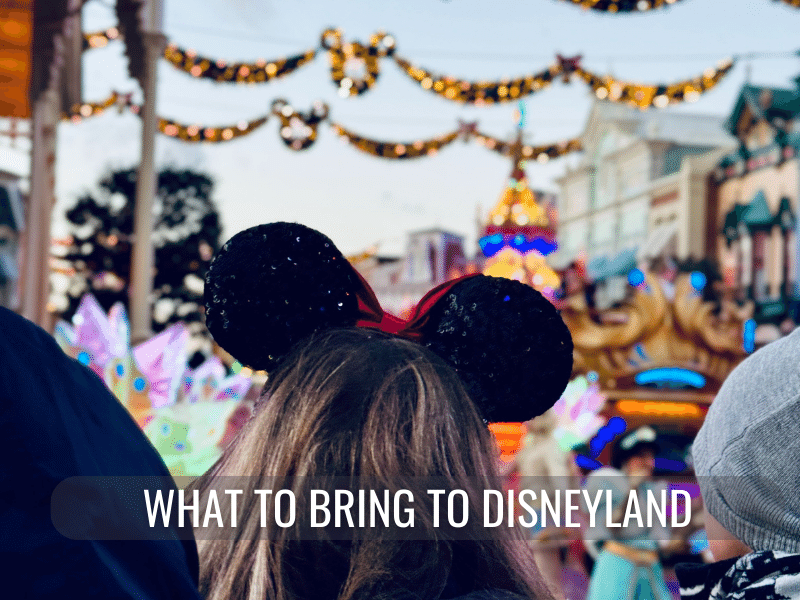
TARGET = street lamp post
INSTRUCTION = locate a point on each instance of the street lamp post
(143, 255)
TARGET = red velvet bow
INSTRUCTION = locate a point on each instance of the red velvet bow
(372, 315)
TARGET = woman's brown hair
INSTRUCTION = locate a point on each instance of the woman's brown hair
(359, 403)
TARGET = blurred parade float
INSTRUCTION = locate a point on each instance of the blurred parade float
(188, 414)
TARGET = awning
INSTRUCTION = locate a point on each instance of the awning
(603, 268)
(758, 215)
(561, 259)
(660, 241)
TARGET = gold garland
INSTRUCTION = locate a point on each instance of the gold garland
(357, 55)
(298, 131)
(541, 154)
(98, 39)
(78, 112)
(187, 133)
(795, 3)
(219, 70)
(196, 133)
(355, 69)
(623, 6)
(485, 92)
(395, 150)
(644, 95)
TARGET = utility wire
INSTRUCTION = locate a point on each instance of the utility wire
(754, 55)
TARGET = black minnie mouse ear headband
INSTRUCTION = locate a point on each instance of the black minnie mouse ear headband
(273, 285)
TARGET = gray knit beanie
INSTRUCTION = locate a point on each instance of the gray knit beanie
(747, 454)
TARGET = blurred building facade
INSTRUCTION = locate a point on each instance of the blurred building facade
(753, 201)
(431, 257)
(639, 192)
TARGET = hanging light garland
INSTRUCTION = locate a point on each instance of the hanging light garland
(298, 130)
(197, 133)
(622, 6)
(396, 150)
(236, 72)
(99, 39)
(187, 133)
(478, 93)
(355, 68)
(123, 102)
(541, 154)
(646, 95)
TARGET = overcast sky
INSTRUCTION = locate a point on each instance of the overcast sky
(359, 200)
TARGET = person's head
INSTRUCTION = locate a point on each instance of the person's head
(360, 403)
(745, 454)
(357, 403)
(636, 451)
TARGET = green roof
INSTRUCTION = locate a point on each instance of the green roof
(758, 213)
(784, 103)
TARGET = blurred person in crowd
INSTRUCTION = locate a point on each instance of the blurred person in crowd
(745, 461)
(60, 423)
(545, 467)
(628, 563)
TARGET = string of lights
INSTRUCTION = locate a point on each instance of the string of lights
(541, 154)
(237, 72)
(298, 130)
(355, 69)
(622, 6)
(644, 96)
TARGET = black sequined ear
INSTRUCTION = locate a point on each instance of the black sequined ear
(508, 344)
(273, 285)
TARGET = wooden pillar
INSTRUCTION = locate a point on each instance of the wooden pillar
(36, 271)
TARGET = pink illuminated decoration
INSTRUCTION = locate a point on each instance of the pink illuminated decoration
(162, 360)
(208, 383)
(188, 415)
(99, 337)
(577, 413)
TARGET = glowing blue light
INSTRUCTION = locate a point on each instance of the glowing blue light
(507, 298)
(636, 277)
(139, 384)
(608, 432)
(617, 425)
(749, 335)
(592, 376)
(698, 280)
(491, 244)
(584, 462)
(180, 446)
(543, 247)
(84, 358)
(669, 377)
(666, 464)
(120, 370)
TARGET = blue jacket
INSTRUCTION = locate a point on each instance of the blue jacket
(58, 420)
